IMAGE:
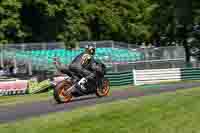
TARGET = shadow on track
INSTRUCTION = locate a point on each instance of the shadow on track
(75, 100)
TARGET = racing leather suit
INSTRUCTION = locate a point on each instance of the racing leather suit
(81, 66)
(84, 65)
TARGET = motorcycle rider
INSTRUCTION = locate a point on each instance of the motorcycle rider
(81, 66)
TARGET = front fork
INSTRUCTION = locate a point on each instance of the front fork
(100, 84)
(71, 89)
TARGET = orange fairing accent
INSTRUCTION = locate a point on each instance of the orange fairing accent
(105, 91)
(66, 97)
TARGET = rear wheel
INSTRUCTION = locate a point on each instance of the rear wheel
(59, 92)
(105, 89)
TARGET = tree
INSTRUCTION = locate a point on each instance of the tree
(11, 29)
(77, 20)
(183, 16)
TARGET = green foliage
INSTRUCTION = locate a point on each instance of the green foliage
(73, 21)
(196, 11)
(35, 86)
(11, 29)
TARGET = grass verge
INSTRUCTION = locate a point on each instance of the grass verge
(12, 100)
(174, 112)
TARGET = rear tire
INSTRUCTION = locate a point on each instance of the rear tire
(59, 90)
(105, 90)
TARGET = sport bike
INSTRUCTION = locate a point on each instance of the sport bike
(66, 89)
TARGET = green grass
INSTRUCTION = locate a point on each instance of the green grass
(174, 112)
(181, 81)
(156, 86)
(114, 88)
(12, 100)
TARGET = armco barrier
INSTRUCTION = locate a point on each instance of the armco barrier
(156, 75)
(165, 75)
(13, 87)
(190, 74)
(122, 78)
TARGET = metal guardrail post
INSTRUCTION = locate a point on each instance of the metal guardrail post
(15, 63)
(1, 57)
(113, 44)
(44, 46)
(115, 68)
(30, 68)
(134, 77)
(23, 47)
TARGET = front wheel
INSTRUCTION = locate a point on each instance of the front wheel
(105, 89)
(59, 92)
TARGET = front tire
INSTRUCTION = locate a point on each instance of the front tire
(105, 90)
(59, 92)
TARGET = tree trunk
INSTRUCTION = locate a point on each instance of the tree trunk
(187, 51)
(183, 19)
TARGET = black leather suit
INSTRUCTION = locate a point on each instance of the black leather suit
(82, 66)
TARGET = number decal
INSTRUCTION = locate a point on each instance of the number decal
(85, 59)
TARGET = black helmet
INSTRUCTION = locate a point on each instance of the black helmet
(90, 49)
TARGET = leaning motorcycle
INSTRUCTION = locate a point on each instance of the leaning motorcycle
(66, 89)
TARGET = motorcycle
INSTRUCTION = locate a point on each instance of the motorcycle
(67, 89)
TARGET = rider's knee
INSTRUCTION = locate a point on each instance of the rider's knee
(92, 75)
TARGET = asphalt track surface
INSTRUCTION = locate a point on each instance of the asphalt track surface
(24, 111)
